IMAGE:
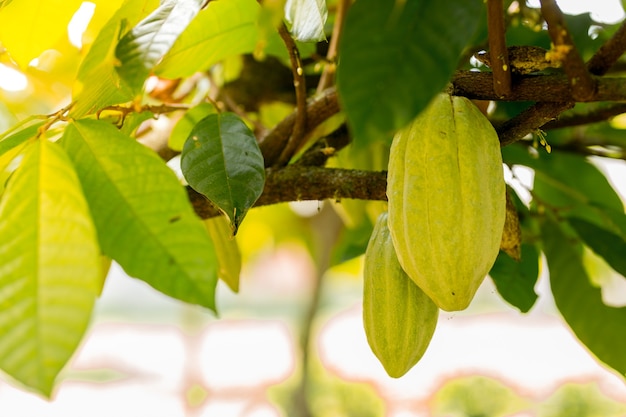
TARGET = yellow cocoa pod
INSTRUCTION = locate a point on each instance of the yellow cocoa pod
(447, 200)
(399, 319)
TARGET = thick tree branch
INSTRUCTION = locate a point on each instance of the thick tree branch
(544, 88)
(497, 48)
(296, 183)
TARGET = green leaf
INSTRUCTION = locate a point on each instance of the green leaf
(395, 56)
(50, 272)
(227, 250)
(516, 281)
(554, 179)
(18, 136)
(28, 28)
(596, 325)
(181, 131)
(224, 28)
(98, 84)
(307, 19)
(222, 160)
(143, 47)
(606, 244)
(144, 219)
(588, 194)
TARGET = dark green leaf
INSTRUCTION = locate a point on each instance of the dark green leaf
(599, 327)
(395, 56)
(144, 219)
(145, 45)
(516, 281)
(606, 244)
(222, 160)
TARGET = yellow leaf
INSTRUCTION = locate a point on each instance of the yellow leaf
(27, 28)
(228, 255)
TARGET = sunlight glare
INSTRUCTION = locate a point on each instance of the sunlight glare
(11, 79)
(607, 11)
(79, 23)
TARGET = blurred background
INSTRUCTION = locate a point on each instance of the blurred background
(147, 355)
(294, 332)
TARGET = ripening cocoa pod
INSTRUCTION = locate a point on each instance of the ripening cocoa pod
(447, 200)
(399, 319)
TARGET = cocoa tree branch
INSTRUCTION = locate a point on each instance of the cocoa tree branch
(608, 54)
(594, 116)
(318, 109)
(497, 47)
(300, 125)
(296, 182)
(582, 84)
(532, 119)
(540, 88)
(529, 121)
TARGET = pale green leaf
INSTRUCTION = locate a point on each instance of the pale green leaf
(27, 28)
(181, 131)
(98, 84)
(224, 28)
(143, 216)
(599, 327)
(395, 56)
(222, 160)
(606, 244)
(307, 19)
(228, 255)
(18, 136)
(50, 272)
(144, 46)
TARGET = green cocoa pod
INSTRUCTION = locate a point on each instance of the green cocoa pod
(399, 319)
(447, 200)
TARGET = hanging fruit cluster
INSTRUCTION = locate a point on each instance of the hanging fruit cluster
(442, 234)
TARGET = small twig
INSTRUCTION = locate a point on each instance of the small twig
(497, 48)
(328, 74)
(593, 116)
(582, 83)
(326, 147)
(300, 125)
(609, 52)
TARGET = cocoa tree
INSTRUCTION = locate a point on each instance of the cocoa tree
(269, 102)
